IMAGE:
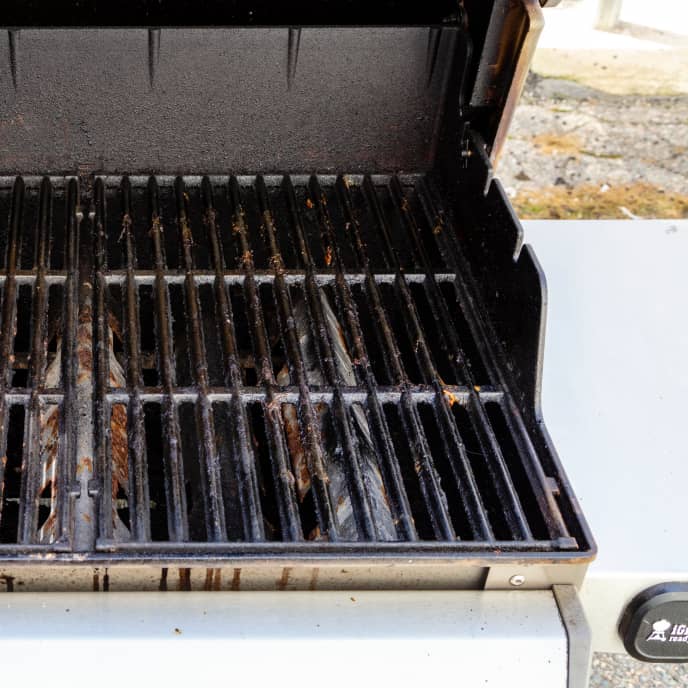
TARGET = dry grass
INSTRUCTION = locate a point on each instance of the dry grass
(558, 144)
(594, 202)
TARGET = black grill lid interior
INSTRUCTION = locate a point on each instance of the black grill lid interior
(226, 13)
(206, 87)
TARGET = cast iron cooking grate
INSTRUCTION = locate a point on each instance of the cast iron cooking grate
(228, 364)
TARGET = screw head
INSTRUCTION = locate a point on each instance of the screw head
(517, 580)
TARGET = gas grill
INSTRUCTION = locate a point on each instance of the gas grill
(266, 318)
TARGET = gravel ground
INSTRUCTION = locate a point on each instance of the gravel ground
(619, 671)
(567, 134)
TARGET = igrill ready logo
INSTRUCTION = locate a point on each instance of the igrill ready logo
(662, 634)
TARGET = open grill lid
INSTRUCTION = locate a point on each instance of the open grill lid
(257, 85)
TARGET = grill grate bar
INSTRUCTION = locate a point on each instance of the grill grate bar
(39, 466)
(433, 495)
(393, 484)
(105, 454)
(69, 364)
(517, 522)
(540, 484)
(463, 474)
(7, 324)
(242, 453)
(231, 277)
(451, 441)
(139, 492)
(369, 523)
(311, 441)
(435, 499)
(290, 394)
(393, 477)
(211, 481)
(177, 520)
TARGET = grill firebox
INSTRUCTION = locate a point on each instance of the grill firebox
(264, 316)
(235, 367)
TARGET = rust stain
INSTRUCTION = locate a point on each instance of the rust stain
(247, 259)
(276, 263)
(48, 453)
(86, 464)
(451, 397)
(86, 518)
(84, 344)
(49, 526)
(85, 315)
(163, 580)
(236, 580)
(85, 357)
(187, 237)
(309, 203)
(184, 579)
(156, 226)
(118, 428)
(126, 226)
(114, 325)
(296, 451)
(120, 449)
(316, 534)
(208, 585)
(328, 256)
(284, 579)
(315, 573)
(213, 579)
(210, 216)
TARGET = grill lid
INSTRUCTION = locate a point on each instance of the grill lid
(205, 87)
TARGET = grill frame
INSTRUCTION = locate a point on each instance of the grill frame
(299, 553)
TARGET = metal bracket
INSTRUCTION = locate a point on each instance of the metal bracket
(473, 144)
(578, 632)
(514, 577)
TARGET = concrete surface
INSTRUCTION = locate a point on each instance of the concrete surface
(642, 55)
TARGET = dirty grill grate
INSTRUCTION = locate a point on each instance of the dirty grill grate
(225, 364)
